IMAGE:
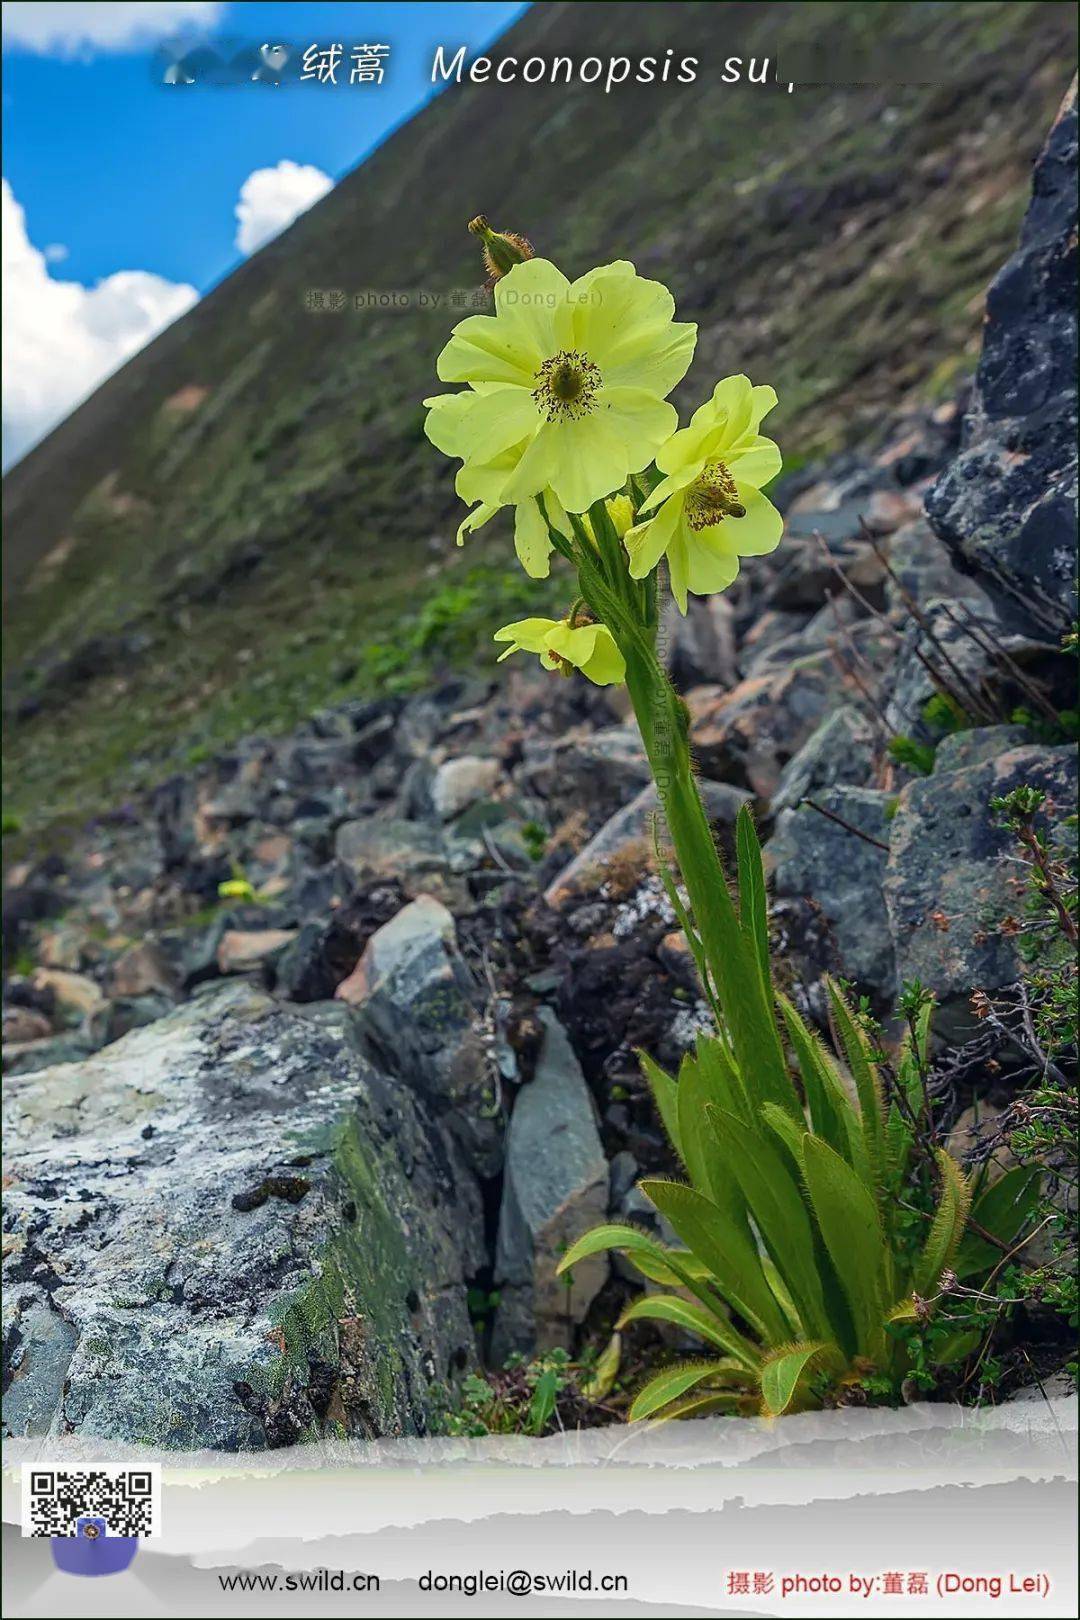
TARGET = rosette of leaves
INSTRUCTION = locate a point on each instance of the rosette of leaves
(796, 1267)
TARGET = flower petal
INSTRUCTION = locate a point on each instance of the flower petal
(757, 464)
(607, 666)
(531, 540)
(483, 348)
(733, 404)
(655, 358)
(588, 460)
(710, 568)
(678, 567)
(760, 530)
(531, 305)
(497, 420)
(641, 421)
(527, 635)
(475, 520)
(647, 542)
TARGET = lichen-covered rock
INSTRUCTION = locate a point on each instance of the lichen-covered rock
(229, 1231)
(555, 1188)
(947, 884)
(628, 836)
(1007, 505)
(841, 750)
(831, 870)
(419, 1008)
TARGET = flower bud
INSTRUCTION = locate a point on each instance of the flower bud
(502, 249)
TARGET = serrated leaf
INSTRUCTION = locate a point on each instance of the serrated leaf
(778, 1212)
(867, 1080)
(1004, 1208)
(665, 1095)
(670, 1384)
(600, 1380)
(782, 1372)
(753, 910)
(630, 1239)
(848, 1220)
(692, 1318)
(947, 1227)
(832, 1114)
(729, 1254)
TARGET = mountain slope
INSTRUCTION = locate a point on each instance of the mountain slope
(243, 522)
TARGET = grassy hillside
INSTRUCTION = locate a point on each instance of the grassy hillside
(246, 521)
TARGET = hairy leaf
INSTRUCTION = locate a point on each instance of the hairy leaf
(693, 1318)
(848, 1219)
(948, 1225)
(726, 1250)
(668, 1385)
(782, 1372)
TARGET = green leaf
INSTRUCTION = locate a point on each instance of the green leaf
(782, 1371)
(848, 1219)
(692, 1318)
(727, 1251)
(776, 1207)
(665, 1095)
(599, 1381)
(948, 1225)
(685, 1268)
(668, 1385)
(753, 911)
(543, 1400)
(832, 1113)
(1005, 1207)
(631, 1239)
(786, 1129)
(867, 1080)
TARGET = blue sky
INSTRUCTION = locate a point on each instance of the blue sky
(115, 172)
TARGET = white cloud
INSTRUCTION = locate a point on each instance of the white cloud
(270, 199)
(66, 27)
(62, 339)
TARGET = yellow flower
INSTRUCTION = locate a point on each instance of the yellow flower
(709, 511)
(563, 646)
(568, 381)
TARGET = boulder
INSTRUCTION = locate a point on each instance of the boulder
(832, 870)
(841, 751)
(554, 1189)
(748, 735)
(241, 950)
(229, 1231)
(628, 836)
(457, 783)
(948, 883)
(1006, 506)
(411, 852)
(419, 1007)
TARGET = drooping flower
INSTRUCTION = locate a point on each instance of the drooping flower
(709, 510)
(566, 380)
(565, 645)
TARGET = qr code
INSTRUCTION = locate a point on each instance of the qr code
(98, 1501)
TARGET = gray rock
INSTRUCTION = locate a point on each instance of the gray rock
(699, 646)
(840, 751)
(924, 569)
(824, 866)
(25, 1057)
(411, 851)
(599, 773)
(228, 1231)
(555, 1188)
(947, 884)
(630, 829)
(1006, 507)
(748, 735)
(419, 1008)
(962, 644)
(457, 783)
(976, 746)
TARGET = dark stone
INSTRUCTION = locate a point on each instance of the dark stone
(1007, 505)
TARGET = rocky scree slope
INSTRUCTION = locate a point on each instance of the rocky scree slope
(290, 1157)
(238, 527)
